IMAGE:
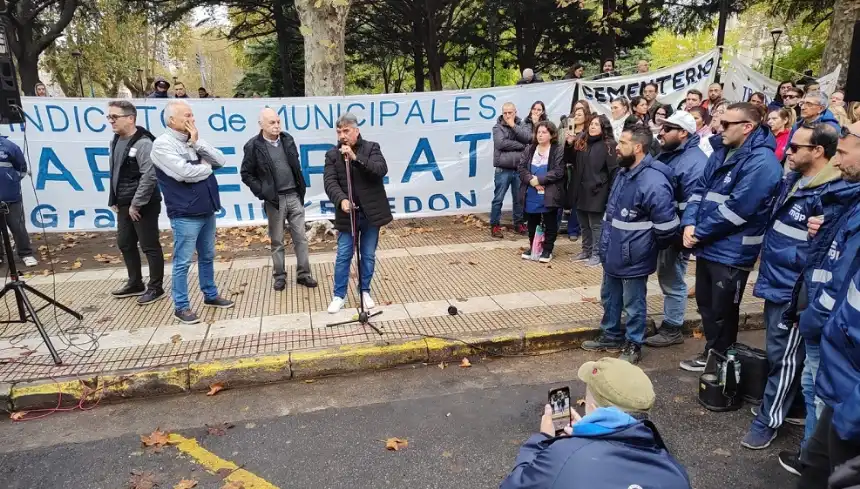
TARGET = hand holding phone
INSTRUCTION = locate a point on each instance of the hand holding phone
(561, 411)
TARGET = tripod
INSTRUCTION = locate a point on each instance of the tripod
(25, 307)
(363, 317)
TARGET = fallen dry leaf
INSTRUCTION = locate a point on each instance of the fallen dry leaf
(141, 480)
(454, 262)
(18, 416)
(157, 439)
(465, 363)
(218, 429)
(233, 485)
(396, 444)
(215, 388)
(472, 262)
(593, 300)
(310, 381)
(223, 472)
(443, 365)
(697, 334)
(387, 303)
(185, 484)
(175, 338)
(76, 265)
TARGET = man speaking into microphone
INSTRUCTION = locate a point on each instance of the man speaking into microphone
(367, 169)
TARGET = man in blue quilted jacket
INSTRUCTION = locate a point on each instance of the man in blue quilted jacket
(724, 223)
(640, 221)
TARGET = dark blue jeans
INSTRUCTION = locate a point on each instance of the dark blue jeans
(503, 180)
(785, 353)
(814, 405)
(368, 237)
(627, 294)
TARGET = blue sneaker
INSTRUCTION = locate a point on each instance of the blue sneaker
(758, 437)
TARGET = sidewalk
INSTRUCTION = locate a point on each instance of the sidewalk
(502, 301)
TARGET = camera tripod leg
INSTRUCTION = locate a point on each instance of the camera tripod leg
(41, 327)
(51, 300)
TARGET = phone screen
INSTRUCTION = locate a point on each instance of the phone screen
(559, 401)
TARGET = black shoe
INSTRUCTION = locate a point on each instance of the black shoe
(308, 282)
(129, 291)
(219, 302)
(790, 461)
(545, 257)
(582, 256)
(186, 316)
(696, 364)
(280, 284)
(527, 255)
(631, 353)
(666, 336)
(602, 343)
(151, 295)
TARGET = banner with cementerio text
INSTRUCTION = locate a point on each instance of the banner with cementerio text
(438, 147)
(674, 82)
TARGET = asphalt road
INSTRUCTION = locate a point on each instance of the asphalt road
(464, 427)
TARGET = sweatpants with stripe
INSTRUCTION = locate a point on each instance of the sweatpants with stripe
(785, 354)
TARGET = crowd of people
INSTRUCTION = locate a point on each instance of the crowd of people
(732, 184)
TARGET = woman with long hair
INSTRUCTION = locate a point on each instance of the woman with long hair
(640, 109)
(620, 114)
(703, 128)
(854, 111)
(536, 114)
(781, 121)
(592, 178)
(577, 124)
(542, 175)
(661, 114)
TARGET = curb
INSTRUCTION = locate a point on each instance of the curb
(307, 364)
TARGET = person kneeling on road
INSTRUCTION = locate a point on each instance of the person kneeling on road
(612, 446)
(640, 220)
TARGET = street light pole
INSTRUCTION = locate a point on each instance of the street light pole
(775, 34)
(77, 55)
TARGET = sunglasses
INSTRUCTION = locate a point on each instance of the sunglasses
(794, 146)
(845, 132)
(113, 118)
(728, 124)
(791, 96)
(668, 129)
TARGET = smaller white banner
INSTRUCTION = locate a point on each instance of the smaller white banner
(742, 81)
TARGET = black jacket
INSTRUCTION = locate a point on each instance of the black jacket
(593, 170)
(258, 169)
(368, 171)
(130, 175)
(553, 182)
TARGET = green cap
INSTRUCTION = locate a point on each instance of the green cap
(614, 382)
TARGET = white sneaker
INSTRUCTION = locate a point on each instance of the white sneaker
(368, 302)
(30, 261)
(336, 305)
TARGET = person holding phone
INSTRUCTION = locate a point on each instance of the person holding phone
(612, 446)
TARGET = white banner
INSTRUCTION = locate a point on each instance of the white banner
(674, 82)
(742, 81)
(438, 146)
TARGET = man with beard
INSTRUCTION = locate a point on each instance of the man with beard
(681, 153)
(725, 221)
(834, 302)
(814, 187)
(649, 92)
(640, 220)
(715, 96)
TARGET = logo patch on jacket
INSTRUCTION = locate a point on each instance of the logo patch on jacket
(4, 155)
(624, 212)
(796, 213)
(834, 252)
(132, 152)
(728, 178)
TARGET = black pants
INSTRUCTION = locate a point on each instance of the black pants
(591, 224)
(144, 231)
(719, 289)
(17, 224)
(824, 452)
(550, 231)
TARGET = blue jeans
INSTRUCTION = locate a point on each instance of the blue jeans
(671, 269)
(785, 354)
(814, 405)
(189, 234)
(629, 294)
(368, 237)
(572, 222)
(503, 180)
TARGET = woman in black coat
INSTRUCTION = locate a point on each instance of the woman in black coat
(541, 171)
(592, 179)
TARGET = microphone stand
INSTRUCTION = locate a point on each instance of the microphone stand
(363, 318)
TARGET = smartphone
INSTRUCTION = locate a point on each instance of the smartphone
(559, 401)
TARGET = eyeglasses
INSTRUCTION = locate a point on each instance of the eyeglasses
(794, 146)
(791, 96)
(728, 124)
(845, 132)
(113, 118)
(805, 102)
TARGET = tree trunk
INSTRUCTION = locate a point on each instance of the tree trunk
(607, 34)
(431, 45)
(323, 28)
(29, 71)
(417, 55)
(838, 48)
(289, 87)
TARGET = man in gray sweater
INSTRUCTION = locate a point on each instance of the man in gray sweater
(270, 168)
(135, 198)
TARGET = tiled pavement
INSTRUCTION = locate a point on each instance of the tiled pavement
(492, 287)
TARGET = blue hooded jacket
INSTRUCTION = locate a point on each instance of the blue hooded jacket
(688, 163)
(609, 449)
(733, 206)
(838, 380)
(640, 220)
(13, 167)
(786, 242)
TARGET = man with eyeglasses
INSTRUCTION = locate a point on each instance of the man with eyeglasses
(680, 152)
(725, 221)
(136, 200)
(813, 187)
(813, 108)
(650, 92)
(510, 138)
(819, 310)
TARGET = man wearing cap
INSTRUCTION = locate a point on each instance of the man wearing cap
(680, 152)
(612, 446)
(161, 85)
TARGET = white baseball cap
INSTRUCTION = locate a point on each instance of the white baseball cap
(682, 119)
